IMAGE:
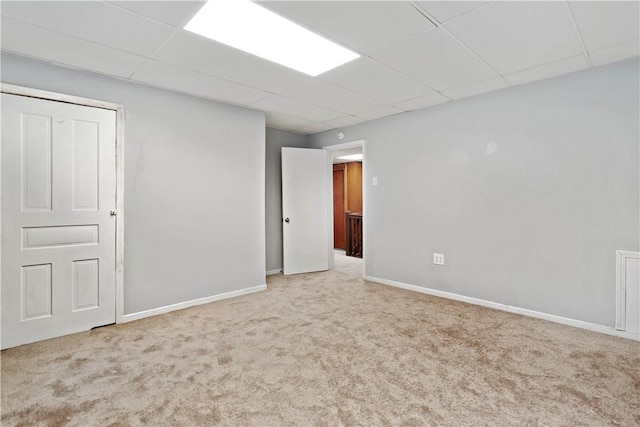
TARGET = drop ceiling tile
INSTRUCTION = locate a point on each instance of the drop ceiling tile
(323, 94)
(437, 60)
(377, 113)
(607, 23)
(314, 128)
(615, 53)
(476, 88)
(175, 13)
(365, 26)
(370, 78)
(445, 10)
(422, 102)
(190, 51)
(194, 83)
(93, 21)
(284, 122)
(24, 39)
(546, 71)
(344, 121)
(292, 107)
(513, 36)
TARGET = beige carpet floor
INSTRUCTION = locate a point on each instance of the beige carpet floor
(326, 349)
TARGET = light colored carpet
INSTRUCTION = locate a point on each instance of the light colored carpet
(326, 349)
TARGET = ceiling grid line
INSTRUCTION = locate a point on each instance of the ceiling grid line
(464, 45)
(133, 12)
(206, 75)
(389, 68)
(295, 100)
(155, 52)
(73, 37)
(404, 74)
(583, 45)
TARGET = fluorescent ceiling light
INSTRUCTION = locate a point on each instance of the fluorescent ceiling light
(247, 26)
(351, 157)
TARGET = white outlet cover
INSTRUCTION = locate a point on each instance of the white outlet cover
(438, 259)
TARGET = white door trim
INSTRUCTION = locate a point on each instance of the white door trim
(119, 109)
(365, 234)
(621, 287)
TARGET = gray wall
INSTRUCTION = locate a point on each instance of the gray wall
(194, 186)
(276, 139)
(527, 191)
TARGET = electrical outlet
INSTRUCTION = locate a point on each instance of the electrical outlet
(438, 259)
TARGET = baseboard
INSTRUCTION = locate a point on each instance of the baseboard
(272, 272)
(179, 306)
(511, 309)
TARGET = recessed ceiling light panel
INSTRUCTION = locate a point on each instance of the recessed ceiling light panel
(247, 26)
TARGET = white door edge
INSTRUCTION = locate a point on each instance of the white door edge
(119, 110)
(365, 234)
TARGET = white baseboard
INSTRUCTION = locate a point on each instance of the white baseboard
(272, 272)
(179, 306)
(511, 309)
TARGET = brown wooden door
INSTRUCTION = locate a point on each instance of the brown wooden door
(338, 207)
(354, 187)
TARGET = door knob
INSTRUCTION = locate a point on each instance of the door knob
(286, 220)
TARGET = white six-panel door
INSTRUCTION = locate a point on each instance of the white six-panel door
(305, 233)
(58, 234)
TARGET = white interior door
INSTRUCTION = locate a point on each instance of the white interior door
(305, 234)
(58, 237)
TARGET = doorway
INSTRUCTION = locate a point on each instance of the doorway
(347, 201)
(339, 206)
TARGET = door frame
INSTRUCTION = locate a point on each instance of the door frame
(119, 109)
(365, 234)
(621, 287)
(342, 167)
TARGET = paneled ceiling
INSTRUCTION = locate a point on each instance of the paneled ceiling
(413, 54)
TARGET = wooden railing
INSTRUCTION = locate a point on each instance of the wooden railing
(354, 234)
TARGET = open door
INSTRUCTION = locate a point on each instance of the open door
(305, 230)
